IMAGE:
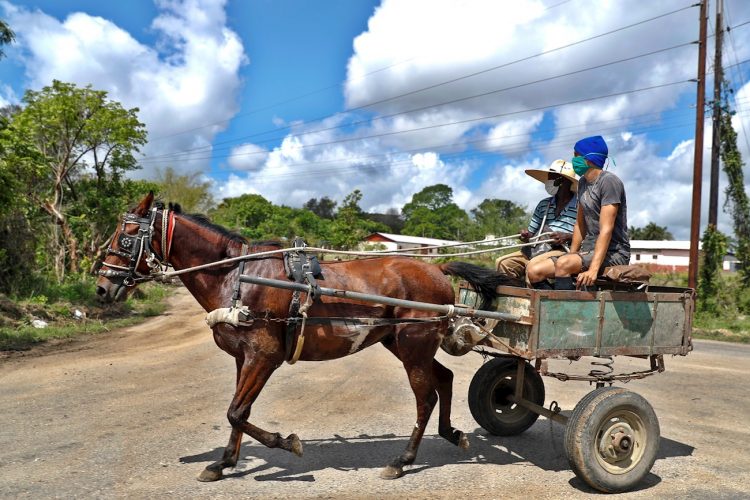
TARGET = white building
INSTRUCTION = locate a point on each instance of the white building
(396, 242)
(668, 255)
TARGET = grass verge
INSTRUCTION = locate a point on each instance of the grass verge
(728, 329)
(71, 314)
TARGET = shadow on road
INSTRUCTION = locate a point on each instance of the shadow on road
(542, 445)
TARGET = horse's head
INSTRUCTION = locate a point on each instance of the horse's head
(132, 253)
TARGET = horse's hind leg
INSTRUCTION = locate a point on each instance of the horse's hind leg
(444, 378)
(252, 376)
(418, 365)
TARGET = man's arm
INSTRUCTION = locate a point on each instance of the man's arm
(607, 217)
(578, 231)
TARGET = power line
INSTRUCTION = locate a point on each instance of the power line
(452, 101)
(430, 87)
(730, 35)
(307, 94)
(174, 155)
(519, 147)
(497, 115)
(478, 141)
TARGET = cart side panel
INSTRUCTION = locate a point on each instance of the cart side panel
(567, 324)
(670, 327)
(628, 323)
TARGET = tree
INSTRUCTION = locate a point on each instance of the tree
(391, 218)
(325, 207)
(432, 197)
(432, 213)
(737, 203)
(650, 232)
(499, 217)
(244, 213)
(351, 225)
(714, 245)
(6, 36)
(190, 190)
(66, 130)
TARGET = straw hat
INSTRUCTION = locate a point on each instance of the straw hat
(556, 169)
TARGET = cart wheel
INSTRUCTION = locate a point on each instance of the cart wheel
(611, 439)
(488, 397)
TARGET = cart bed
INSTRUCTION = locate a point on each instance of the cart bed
(575, 323)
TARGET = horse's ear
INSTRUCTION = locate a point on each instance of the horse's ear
(145, 204)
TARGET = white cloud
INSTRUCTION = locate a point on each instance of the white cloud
(7, 96)
(247, 157)
(191, 77)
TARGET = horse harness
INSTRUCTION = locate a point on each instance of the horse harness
(133, 247)
(299, 267)
(304, 269)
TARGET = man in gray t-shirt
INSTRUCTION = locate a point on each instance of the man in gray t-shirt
(606, 189)
(600, 236)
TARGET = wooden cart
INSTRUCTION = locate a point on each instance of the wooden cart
(612, 435)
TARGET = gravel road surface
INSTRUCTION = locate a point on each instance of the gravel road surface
(140, 412)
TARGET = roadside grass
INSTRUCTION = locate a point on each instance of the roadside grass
(58, 308)
(736, 329)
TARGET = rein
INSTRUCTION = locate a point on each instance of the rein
(137, 245)
(383, 253)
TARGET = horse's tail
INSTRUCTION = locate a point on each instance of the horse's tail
(484, 281)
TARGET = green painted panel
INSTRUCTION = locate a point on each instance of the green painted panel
(567, 324)
(627, 323)
(670, 324)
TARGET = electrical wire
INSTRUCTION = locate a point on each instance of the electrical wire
(213, 149)
(487, 70)
(730, 35)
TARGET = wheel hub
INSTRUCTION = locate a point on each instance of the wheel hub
(616, 442)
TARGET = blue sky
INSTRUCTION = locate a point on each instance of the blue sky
(300, 99)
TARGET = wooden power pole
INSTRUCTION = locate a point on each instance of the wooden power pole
(695, 220)
(713, 200)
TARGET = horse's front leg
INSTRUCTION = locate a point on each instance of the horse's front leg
(252, 377)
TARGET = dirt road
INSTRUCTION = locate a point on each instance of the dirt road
(140, 412)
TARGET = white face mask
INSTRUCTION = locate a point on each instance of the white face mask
(551, 188)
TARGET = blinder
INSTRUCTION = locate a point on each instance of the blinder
(133, 248)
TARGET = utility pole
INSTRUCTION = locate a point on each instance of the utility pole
(700, 111)
(713, 201)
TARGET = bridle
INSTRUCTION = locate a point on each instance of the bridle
(134, 247)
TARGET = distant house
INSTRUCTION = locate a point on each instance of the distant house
(666, 255)
(403, 242)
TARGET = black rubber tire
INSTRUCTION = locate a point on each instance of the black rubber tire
(487, 397)
(591, 427)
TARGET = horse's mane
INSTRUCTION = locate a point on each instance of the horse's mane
(204, 221)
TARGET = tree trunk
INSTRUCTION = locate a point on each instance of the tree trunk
(70, 244)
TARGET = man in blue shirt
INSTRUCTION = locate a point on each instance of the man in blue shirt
(556, 215)
(600, 236)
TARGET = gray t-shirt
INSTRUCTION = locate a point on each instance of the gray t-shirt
(607, 189)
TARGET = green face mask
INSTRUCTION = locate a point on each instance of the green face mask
(579, 165)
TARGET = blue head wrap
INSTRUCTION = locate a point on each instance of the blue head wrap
(594, 149)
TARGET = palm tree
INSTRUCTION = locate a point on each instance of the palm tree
(6, 36)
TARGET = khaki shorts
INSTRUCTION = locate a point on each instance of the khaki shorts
(514, 264)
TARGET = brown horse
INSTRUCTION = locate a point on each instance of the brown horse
(259, 348)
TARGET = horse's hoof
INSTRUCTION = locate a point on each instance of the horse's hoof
(463, 442)
(209, 475)
(392, 472)
(296, 446)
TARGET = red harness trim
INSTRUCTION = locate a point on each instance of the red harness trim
(170, 230)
